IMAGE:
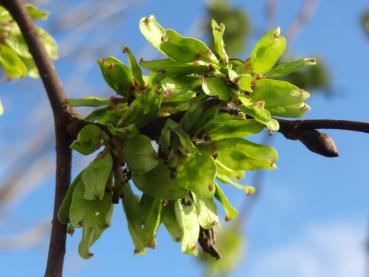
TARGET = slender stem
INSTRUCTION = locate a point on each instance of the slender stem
(62, 117)
(324, 124)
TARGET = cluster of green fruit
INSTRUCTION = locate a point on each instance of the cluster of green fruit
(15, 59)
(175, 133)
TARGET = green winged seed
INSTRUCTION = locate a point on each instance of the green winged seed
(64, 210)
(266, 52)
(160, 183)
(88, 101)
(132, 211)
(96, 176)
(88, 213)
(218, 32)
(233, 129)
(152, 223)
(187, 147)
(186, 214)
(244, 82)
(276, 93)
(192, 115)
(170, 67)
(142, 109)
(88, 140)
(249, 190)
(36, 13)
(135, 68)
(91, 234)
(287, 68)
(172, 44)
(214, 86)
(198, 175)
(230, 211)
(152, 31)
(170, 222)
(240, 154)
(296, 110)
(11, 63)
(117, 75)
(230, 173)
(206, 211)
(258, 112)
(139, 154)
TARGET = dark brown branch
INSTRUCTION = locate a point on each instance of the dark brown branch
(324, 124)
(316, 141)
(62, 117)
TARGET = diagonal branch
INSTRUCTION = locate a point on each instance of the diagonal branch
(62, 117)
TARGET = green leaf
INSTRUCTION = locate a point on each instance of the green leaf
(172, 44)
(107, 115)
(185, 211)
(218, 32)
(235, 128)
(117, 75)
(1, 108)
(88, 213)
(206, 211)
(135, 68)
(230, 211)
(276, 93)
(96, 176)
(170, 222)
(132, 211)
(170, 67)
(88, 140)
(240, 154)
(91, 234)
(266, 52)
(152, 223)
(287, 68)
(36, 13)
(159, 183)
(88, 101)
(139, 154)
(214, 86)
(198, 175)
(13, 65)
(64, 210)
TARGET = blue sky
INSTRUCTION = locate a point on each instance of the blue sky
(312, 216)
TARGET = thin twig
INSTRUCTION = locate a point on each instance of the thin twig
(292, 125)
(306, 13)
(62, 118)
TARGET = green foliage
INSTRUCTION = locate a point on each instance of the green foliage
(238, 25)
(175, 133)
(15, 59)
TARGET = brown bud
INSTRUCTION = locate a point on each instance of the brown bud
(318, 142)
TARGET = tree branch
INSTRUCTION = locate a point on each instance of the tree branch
(62, 117)
(318, 142)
